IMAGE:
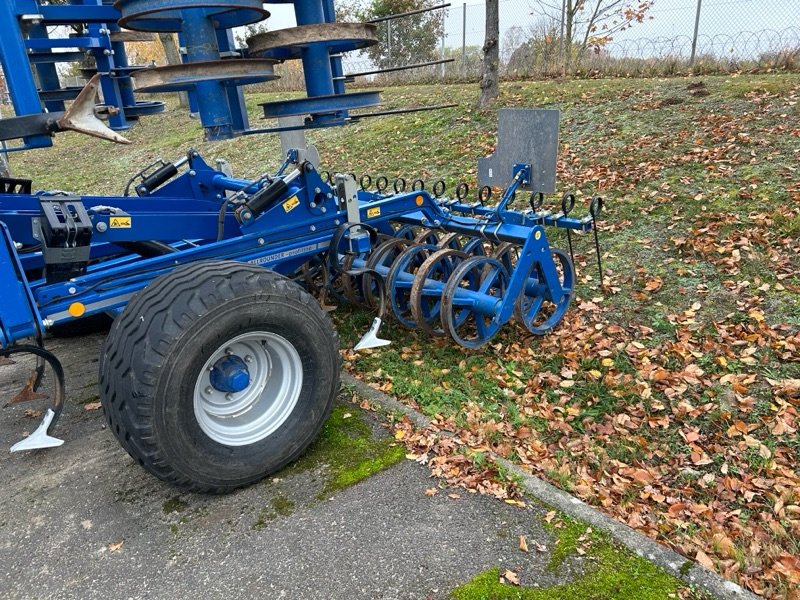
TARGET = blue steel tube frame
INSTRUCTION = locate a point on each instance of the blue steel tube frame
(19, 81)
(200, 40)
(46, 73)
(297, 227)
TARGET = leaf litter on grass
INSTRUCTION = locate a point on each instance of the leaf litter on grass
(668, 396)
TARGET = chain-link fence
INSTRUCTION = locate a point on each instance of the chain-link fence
(543, 38)
(546, 38)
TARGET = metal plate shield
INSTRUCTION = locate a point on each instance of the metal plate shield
(525, 135)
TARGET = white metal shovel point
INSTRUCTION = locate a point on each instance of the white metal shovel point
(371, 339)
(39, 438)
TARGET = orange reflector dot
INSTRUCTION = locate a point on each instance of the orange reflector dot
(420, 200)
(76, 309)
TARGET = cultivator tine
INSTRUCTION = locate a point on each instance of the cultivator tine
(371, 339)
(27, 394)
(323, 296)
(39, 439)
(80, 115)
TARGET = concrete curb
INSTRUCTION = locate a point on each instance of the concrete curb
(387, 403)
(669, 560)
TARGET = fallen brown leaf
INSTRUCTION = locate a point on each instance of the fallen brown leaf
(511, 577)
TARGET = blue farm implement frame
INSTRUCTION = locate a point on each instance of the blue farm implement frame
(220, 367)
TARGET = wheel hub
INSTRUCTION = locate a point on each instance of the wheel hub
(230, 374)
(248, 388)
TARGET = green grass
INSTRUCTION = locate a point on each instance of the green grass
(702, 195)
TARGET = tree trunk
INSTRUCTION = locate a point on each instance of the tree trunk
(173, 56)
(491, 56)
(572, 11)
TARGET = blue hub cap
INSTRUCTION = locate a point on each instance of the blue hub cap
(230, 374)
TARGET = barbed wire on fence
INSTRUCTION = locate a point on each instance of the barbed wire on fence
(532, 45)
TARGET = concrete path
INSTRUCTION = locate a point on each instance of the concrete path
(84, 521)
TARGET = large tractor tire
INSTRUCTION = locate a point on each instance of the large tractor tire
(218, 374)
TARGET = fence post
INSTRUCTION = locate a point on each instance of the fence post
(464, 39)
(696, 29)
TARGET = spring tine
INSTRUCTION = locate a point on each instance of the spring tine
(569, 242)
(597, 250)
(595, 207)
(567, 204)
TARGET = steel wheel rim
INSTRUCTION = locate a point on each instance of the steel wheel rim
(527, 308)
(253, 414)
(483, 274)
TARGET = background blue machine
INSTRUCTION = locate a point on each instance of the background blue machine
(242, 404)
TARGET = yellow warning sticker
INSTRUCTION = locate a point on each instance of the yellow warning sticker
(373, 212)
(291, 204)
(120, 222)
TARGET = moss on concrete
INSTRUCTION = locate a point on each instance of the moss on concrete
(280, 506)
(349, 451)
(174, 505)
(611, 572)
(568, 533)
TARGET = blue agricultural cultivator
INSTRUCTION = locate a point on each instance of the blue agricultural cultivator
(221, 366)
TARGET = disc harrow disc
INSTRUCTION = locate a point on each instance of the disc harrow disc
(288, 44)
(351, 284)
(165, 15)
(178, 78)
